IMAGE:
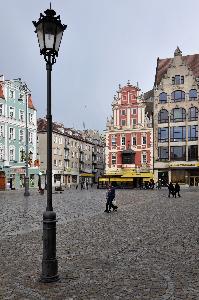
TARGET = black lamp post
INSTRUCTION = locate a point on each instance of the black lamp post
(49, 31)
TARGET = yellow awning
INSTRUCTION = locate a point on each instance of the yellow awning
(86, 175)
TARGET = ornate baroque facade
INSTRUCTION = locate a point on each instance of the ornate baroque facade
(176, 119)
(129, 136)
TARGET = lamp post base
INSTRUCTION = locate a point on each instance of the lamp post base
(49, 261)
(26, 183)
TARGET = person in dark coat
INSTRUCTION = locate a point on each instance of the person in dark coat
(109, 199)
(177, 189)
(171, 189)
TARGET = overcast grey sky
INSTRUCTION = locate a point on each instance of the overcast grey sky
(107, 43)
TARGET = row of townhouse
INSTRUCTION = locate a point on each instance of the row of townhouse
(77, 156)
(155, 135)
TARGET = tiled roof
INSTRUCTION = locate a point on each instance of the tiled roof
(1, 92)
(60, 129)
(30, 104)
(192, 61)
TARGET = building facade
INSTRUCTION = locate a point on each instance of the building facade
(76, 156)
(176, 119)
(13, 101)
(129, 137)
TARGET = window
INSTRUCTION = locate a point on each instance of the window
(123, 141)
(163, 98)
(1, 131)
(193, 152)
(60, 140)
(193, 94)
(193, 133)
(134, 111)
(134, 122)
(1, 110)
(178, 152)
(123, 122)
(21, 115)
(55, 162)
(163, 134)
(11, 94)
(11, 133)
(178, 115)
(177, 79)
(144, 140)
(163, 153)
(1, 152)
(60, 163)
(21, 135)
(178, 134)
(163, 116)
(178, 96)
(22, 155)
(11, 153)
(123, 112)
(113, 159)
(30, 136)
(134, 141)
(144, 159)
(113, 140)
(30, 118)
(11, 112)
(193, 114)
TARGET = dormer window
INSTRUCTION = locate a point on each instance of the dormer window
(177, 79)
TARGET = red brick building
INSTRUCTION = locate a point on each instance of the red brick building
(129, 138)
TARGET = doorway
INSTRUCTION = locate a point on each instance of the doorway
(194, 181)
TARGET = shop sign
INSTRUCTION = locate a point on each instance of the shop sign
(20, 171)
(184, 165)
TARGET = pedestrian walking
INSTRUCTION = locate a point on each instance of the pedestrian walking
(87, 185)
(171, 189)
(177, 189)
(82, 185)
(76, 186)
(110, 196)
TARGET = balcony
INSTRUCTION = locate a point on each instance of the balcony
(66, 147)
(66, 158)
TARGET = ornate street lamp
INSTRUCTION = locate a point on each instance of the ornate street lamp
(49, 31)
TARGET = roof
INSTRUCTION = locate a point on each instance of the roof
(1, 92)
(30, 103)
(192, 61)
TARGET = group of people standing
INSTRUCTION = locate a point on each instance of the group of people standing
(173, 190)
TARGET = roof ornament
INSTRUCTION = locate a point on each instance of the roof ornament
(178, 52)
(128, 83)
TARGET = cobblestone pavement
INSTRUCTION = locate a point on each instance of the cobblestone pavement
(148, 249)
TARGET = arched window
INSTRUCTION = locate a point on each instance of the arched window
(178, 115)
(163, 116)
(163, 98)
(193, 94)
(178, 96)
(193, 114)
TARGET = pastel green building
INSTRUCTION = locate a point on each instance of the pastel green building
(13, 101)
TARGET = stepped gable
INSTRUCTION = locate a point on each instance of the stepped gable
(192, 61)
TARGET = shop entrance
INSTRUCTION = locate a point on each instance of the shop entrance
(194, 181)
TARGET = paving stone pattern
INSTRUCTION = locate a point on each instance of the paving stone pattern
(148, 249)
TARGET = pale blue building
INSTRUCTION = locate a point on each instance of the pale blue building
(13, 101)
